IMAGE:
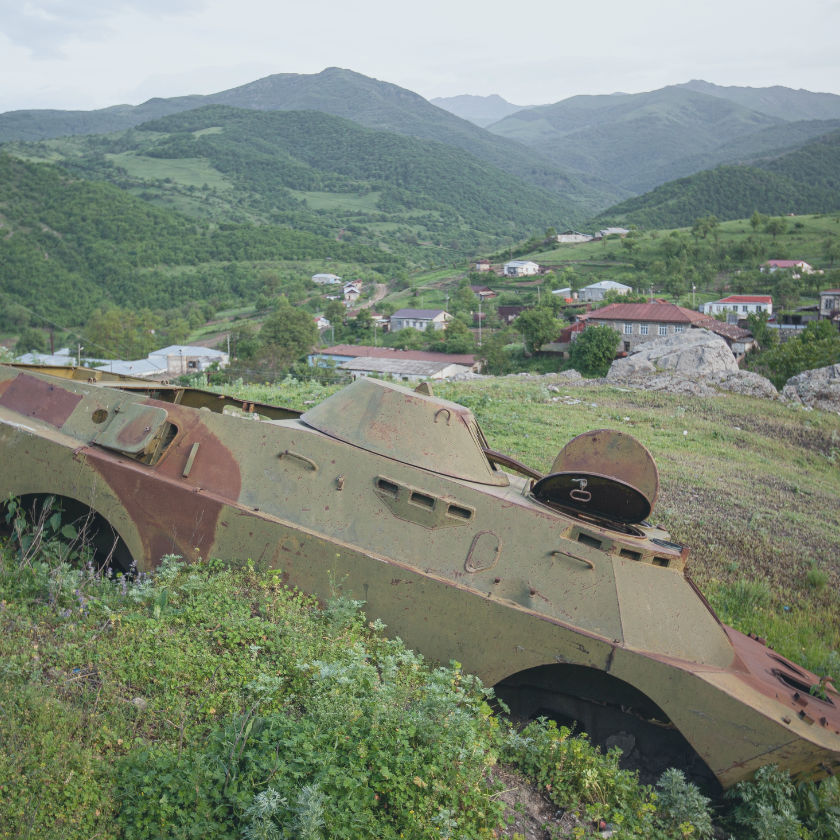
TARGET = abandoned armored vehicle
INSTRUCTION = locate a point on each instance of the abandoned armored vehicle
(552, 588)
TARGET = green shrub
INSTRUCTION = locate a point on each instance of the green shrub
(682, 808)
(765, 806)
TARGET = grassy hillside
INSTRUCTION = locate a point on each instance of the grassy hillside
(315, 172)
(344, 93)
(70, 245)
(802, 181)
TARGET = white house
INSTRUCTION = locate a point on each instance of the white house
(521, 268)
(597, 291)
(420, 319)
(326, 279)
(566, 293)
(178, 359)
(741, 305)
(611, 231)
(482, 265)
(571, 236)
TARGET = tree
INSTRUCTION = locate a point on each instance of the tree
(457, 338)
(287, 334)
(757, 325)
(334, 312)
(537, 327)
(362, 326)
(787, 290)
(775, 226)
(31, 340)
(757, 220)
(121, 333)
(831, 249)
(593, 351)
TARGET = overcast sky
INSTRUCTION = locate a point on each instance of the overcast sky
(86, 54)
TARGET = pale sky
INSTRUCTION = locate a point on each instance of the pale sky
(84, 54)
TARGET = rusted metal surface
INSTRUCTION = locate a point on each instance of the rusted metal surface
(392, 494)
(33, 397)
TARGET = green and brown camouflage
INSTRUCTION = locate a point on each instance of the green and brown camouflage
(552, 588)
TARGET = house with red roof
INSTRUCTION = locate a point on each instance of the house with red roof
(796, 266)
(741, 305)
(637, 323)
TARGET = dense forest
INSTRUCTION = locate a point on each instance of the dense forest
(70, 245)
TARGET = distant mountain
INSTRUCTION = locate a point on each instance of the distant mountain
(343, 93)
(806, 180)
(481, 110)
(631, 139)
(782, 102)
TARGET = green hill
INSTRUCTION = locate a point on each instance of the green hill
(344, 93)
(316, 172)
(69, 245)
(806, 180)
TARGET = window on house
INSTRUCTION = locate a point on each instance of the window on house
(628, 329)
(679, 328)
(663, 329)
(643, 329)
(744, 308)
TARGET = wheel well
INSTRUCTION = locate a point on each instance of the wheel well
(612, 712)
(92, 530)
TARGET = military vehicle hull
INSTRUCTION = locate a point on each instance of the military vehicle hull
(395, 498)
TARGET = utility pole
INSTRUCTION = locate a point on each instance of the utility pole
(479, 320)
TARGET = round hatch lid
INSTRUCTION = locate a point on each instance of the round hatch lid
(604, 473)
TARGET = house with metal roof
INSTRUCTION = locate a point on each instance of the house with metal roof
(340, 353)
(420, 319)
(521, 268)
(404, 370)
(598, 291)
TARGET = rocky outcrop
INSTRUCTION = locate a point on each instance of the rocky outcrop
(819, 388)
(696, 362)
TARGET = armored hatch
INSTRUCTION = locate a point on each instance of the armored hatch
(407, 426)
(604, 473)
